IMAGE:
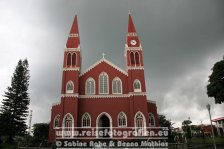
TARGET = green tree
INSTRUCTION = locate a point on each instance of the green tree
(14, 110)
(40, 131)
(187, 128)
(163, 122)
(215, 88)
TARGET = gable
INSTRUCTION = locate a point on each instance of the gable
(104, 63)
(96, 69)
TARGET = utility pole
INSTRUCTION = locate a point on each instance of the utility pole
(208, 107)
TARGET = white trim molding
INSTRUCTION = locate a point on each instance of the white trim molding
(135, 68)
(73, 35)
(69, 95)
(56, 103)
(71, 69)
(108, 62)
(151, 101)
(114, 95)
(131, 34)
(72, 49)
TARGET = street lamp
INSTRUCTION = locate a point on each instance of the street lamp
(190, 126)
(208, 107)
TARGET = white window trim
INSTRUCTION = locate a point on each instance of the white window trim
(107, 83)
(144, 121)
(69, 91)
(57, 117)
(117, 78)
(137, 90)
(65, 117)
(63, 124)
(152, 115)
(94, 90)
(125, 120)
(89, 120)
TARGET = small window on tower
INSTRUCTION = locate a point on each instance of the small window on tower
(137, 86)
(69, 87)
(73, 59)
(132, 58)
(69, 60)
(137, 58)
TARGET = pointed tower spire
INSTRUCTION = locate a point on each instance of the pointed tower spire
(73, 38)
(131, 27)
(132, 38)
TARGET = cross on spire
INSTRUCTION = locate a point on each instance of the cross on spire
(103, 54)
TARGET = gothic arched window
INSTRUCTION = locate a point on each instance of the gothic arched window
(90, 86)
(68, 123)
(69, 60)
(151, 119)
(73, 59)
(116, 86)
(86, 120)
(140, 123)
(103, 82)
(56, 121)
(136, 58)
(137, 86)
(132, 56)
(70, 87)
(122, 119)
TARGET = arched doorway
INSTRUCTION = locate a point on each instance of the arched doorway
(103, 125)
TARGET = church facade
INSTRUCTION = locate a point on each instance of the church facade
(104, 95)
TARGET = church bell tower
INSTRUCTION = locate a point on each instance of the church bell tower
(70, 76)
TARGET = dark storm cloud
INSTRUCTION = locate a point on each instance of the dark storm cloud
(181, 41)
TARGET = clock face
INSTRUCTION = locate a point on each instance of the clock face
(133, 42)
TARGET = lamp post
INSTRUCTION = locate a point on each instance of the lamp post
(208, 107)
(190, 126)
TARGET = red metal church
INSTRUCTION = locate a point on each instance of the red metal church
(104, 95)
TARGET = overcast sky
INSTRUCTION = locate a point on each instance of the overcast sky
(181, 39)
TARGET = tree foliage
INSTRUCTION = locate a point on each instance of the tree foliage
(186, 122)
(163, 122)
(215, 88)
(14, 110)
(187, 128)
(40, 131)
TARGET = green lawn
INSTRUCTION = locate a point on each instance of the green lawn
(208, 140)
(8, 146)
